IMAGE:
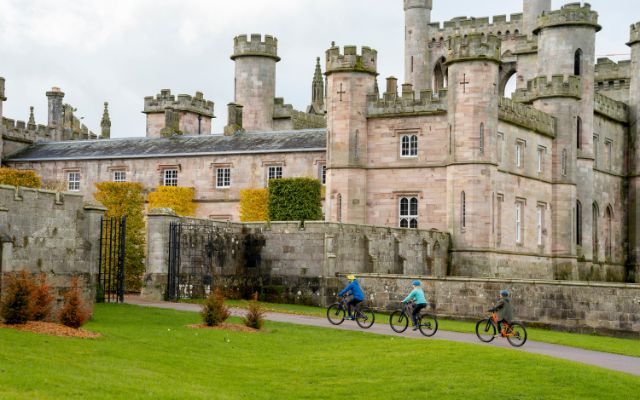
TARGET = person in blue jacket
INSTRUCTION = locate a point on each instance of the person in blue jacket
(417, 295)
(353, 289)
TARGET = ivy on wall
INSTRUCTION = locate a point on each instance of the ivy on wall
(17, 177)
(253, 205)
(295, 199)
(180, 199)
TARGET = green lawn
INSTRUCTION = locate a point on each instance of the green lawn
(628, 347)
(149, 354)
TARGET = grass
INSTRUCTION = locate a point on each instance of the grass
(149, 354)
(627, 347)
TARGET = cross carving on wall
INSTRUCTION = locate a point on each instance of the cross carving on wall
(341, 92)
(464, 83)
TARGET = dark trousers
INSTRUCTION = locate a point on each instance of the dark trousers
(416, 312)
(352, 303)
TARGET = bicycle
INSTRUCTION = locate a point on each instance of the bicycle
(337, 312)
(399, 320)
(487, 328)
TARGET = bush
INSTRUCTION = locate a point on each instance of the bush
(41, 299)
(254, 205)
(126, 199)
(17, 177)
(295, 199)
(73, 313)
(16, 303)
(180, 199)
(214, 311)
(255, 314)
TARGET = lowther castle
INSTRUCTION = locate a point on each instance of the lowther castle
(542, 185)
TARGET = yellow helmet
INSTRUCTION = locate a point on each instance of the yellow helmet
(351, 277)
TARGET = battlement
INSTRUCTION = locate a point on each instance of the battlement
(606, 68)
(474, 46)
(351, 61)
(499, 25)
(525, 45)
(610, 108)
(194, 104)
(541, 87)
(572, 14)
(20, 131)
(300, 120)
(527, 117)
(635, 34)
(408, 104)
(2, 96)
(408, 4)
(255, 46)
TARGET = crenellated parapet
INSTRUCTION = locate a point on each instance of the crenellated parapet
(573, 14)
(526, 117)
(473, 47)
(408, 4)
(194, 104)
(408, 104)
(351, 61)
(610, 108)
(20, 131)
(541, 88)
(498, 25)
(299, 119)
(525, 45)
(634, 36)
(255, 46)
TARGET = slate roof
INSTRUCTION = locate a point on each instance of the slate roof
(177, 146)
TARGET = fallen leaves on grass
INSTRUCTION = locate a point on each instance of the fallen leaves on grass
(225, 327)
(51, 329)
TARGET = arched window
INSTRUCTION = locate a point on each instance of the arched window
(608, 232)
(564, 162)
(594, 224)
(578, 223)
(339, 207)
(577, 63)
(482, 138)
(579, 132)
(463, 210)
(409, 212)
(440, 76)
(409, 146)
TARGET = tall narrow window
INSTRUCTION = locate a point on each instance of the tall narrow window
(170, 177)
(339, 207)
(409, 146)
(579, 132)
(322, 172)
(519, 224)
(499, 219)
(609, 233)
(596, 145)
(564, 162)
(540, 224)
(594, 224)
(450, 139)
(578, 223)
(500, 146)
(409, 212)
(577, 63)
(357, 145)
(73, 179)
(607, 155)
(541, 152)
(520, 153)
(482, 138)
(223, 178)
(463, 210)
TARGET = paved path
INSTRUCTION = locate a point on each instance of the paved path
(614, 362)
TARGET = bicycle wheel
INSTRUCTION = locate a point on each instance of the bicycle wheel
(428, 324)
(365, 318)
(336, 314)
(517, 335)
(398, 321)
(486, 330)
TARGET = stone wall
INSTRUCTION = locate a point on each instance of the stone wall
(575, 306)
(51, 233)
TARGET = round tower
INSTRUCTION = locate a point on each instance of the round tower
(255, 79)
(634, 156)
(532, 9)
(417, 16)
(351, 77)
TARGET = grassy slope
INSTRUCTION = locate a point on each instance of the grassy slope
(628, 347)
(147, 353)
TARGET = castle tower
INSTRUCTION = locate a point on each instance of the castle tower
(55, 108)
(532, 9)
(564, 89)
(473, 67)
(417, 16)
(255, 79)
(105, 123)
(184, 115)
(351, 77)
(317, 91)
(634, 156)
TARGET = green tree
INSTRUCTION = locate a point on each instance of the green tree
(295, 199)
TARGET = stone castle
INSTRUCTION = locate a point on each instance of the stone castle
(543, 185)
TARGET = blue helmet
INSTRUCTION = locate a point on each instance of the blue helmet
(416, 283)
(504, 293)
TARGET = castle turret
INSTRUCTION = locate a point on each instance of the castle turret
(188, 115)
(417, 16)
(634, 162)
(351, 77)
(255, 79)
(105, 123)
(532, 9)
(317, 91)
(55, 108)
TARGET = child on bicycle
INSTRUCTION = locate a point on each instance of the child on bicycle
(417, 294)
(353, 289)
(503, 307)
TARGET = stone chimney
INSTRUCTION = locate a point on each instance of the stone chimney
(234, 123)
(55, 109)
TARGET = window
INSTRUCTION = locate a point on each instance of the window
(463, 210)
(540, 224)
(482, 139)
(339, 207)
(499, 219)
(409, 146)
(578, 223)
(577, 63)
(520, 153)
(119, 176)
(564, 162)
(73, 179)
(595, 215)
(500, 146)
(274, 172)
(450, 139)
(223, 177)
(409, 212)
(579, 132)
(323, 174)
(607, 154)
(356, 150)
(608, 233)
(519, 222)
(541, 152)
(596, 144)
(170, 177)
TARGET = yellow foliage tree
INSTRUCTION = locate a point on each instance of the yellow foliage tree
(254, 205)
(180, 199)
(18, 177)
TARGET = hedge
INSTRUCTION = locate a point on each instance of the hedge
(126, 199)
(253, 205)
(180, 199)
(295, 199)
(19, 177)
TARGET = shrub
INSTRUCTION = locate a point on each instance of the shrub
(41, 299)
(73, 313)
(255, 313)
(254, 205)
(16, 303)
(295, 199)
(214, 311)
(126, 199)
(17, 177)
(180, 199)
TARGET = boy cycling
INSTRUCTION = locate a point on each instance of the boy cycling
(505, 313)
(353, 289)
(417, 294)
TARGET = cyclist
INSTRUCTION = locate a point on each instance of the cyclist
(505, 313)
(353, 289)
(417, 294)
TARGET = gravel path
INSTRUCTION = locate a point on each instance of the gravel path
(614, 362)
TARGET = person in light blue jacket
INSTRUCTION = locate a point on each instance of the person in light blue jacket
(417, 295)
(353, 289)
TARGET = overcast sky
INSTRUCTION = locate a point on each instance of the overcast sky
(123, 50)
